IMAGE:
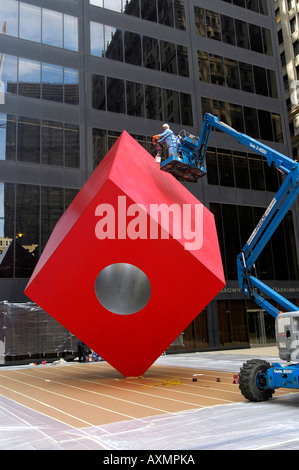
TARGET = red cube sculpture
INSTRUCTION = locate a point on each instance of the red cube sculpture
(132, 261)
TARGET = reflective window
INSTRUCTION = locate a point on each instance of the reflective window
(98, 92)
(171, 106)
(228, 29)
(133, 48)
(52, 82)
(200, 21)
(148, 10)
(151, 53)
(168, 57)
(165, 12)
(72, 146)
(203, 66)
(183, 64)
(28, 147)
(115, 5)
(186, 109)
(255, 35)
(231, 73)
(236, 117)
(225, 165)
(115, 95)
(29, 78)
(217, 69)
(153, 102)
(260, 81)
(9, 17)
(267, 41)
(9, 73)
(135, 99)
(179, 15)
(277, 127)
(251, 122)
(242, 34)
(71, 86)
(52, 28)
(52, 143)
(246, 77)
(30, 15)
(70, 33)
(7, 229)
(8, 135)
(106, 41)
(213, 25)
(241, 171)
(51, 211)
(265, 123)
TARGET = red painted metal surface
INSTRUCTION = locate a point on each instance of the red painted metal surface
(103, 226)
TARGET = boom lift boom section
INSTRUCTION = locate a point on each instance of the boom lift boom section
(258, 379)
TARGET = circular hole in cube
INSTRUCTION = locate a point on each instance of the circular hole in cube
(123, 288)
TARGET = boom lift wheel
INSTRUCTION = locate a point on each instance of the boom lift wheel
(252, 380)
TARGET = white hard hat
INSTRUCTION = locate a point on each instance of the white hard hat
(165, 125)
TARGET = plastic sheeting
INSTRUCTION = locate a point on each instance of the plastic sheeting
(28, 333)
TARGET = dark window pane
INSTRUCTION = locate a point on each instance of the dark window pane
(217, 69)
(251, 122)
(256, 172)
(135, 99)
(277, 128)
(165, 12)
(171, 106)
(27, 229)
(7, 137)
(200, 22)
(113, 43)
(260, 80)
(99, 146)
(256, 41)
(231, 73)
(263, 7)
(253, 5)
(28, 149)
(242, 34)
(115, 95)
(213, 25)
(236, 117)
(291, 246)
(131, 8)
(239, 3)
(72, 145)
(183, 64)
(272, 83)
(112, 138)
(266, 34)
(231, 237)
(264, 262)
(168, 57)
(246, 77)
(246, 223)
(153, 102)
(212, 167)
(51, 211)
(179, 15)
(265, 125)
(148, 10)
(151, 54)
(221, 111)
(7, 230)
(241, 170)
(203, 66)
(228, 30)
(225, 165)
(271, 178)
(207, 106)
(52, 143)
(186, 109)
(132, 48)
(98, 92)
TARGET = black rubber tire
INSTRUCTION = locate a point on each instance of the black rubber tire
(249, 380)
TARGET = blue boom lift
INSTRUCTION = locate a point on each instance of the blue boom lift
(258, 379)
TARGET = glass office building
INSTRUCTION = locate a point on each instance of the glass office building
(75, 73)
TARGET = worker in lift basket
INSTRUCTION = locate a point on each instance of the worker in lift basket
(167, 139)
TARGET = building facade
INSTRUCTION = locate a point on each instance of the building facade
(76, 73)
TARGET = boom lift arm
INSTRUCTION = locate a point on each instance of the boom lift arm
(257, 379)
